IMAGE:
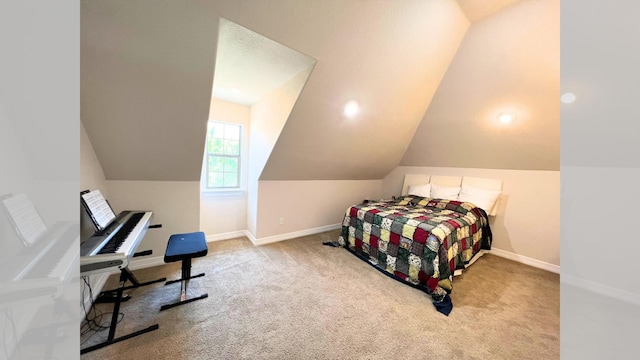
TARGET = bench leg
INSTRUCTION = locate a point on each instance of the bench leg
(184, 282)
(178, 280)
(169, 306)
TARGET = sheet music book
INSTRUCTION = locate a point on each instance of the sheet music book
(25, 218)
(98, 208)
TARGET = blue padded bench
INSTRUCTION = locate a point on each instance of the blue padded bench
(184, 247)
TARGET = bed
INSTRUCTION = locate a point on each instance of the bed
(419, 239)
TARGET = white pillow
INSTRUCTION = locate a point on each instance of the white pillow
(423, 190)
(484, 199)
(444, 192)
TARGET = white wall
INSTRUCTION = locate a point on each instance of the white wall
(528, 221)
(226, 212)
(91, 178)
(308, 204)
(175, 205)
(91, 173)
(268, 117)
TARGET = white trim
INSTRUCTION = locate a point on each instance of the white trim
(227, 235)
(220, 191)
(147, 262)
(251, 238)
(526, 260)
(600, 289)
(223, 192)
(292, 235)
(143, 263)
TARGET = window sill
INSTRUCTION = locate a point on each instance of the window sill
(223, 192)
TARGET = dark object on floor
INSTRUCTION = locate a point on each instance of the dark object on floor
(331, 243)
(445, 306)
(184, 247)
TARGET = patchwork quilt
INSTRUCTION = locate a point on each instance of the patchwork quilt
(417, 240)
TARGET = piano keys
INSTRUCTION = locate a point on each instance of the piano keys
(112, 248)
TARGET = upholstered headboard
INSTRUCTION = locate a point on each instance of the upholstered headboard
(455, 181)
(414, 179)
(446, 180)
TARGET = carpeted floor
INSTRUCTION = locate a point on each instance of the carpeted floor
(299, 299)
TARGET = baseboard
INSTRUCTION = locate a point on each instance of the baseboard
(292, 235)
(227, 235)
(601, 289)
(141, 263)
(145, 262)
(274, 238)
(526, 260)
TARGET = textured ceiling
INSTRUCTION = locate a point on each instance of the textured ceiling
(249, 65)
(476, 10)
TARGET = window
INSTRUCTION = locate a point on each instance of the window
(222, 156)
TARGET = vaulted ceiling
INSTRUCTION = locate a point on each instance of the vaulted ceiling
(147, 73)
(508, 63)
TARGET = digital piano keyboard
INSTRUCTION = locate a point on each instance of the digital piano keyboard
(113, 247)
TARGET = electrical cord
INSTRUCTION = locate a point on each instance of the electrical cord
(93, 319)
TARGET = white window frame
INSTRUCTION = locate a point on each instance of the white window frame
(229, 190)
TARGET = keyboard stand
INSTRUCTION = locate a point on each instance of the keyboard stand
(125, 275)
(110, 296)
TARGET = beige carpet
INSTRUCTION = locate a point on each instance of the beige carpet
(299, 299)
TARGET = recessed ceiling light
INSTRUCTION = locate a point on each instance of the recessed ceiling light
(568, 98)
(505, 118)
(351, 109)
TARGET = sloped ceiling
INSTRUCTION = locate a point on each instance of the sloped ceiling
(387, 56)
(509, 62)
(250, 66)
(476, 10)
(147, 71)
(147, 74)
